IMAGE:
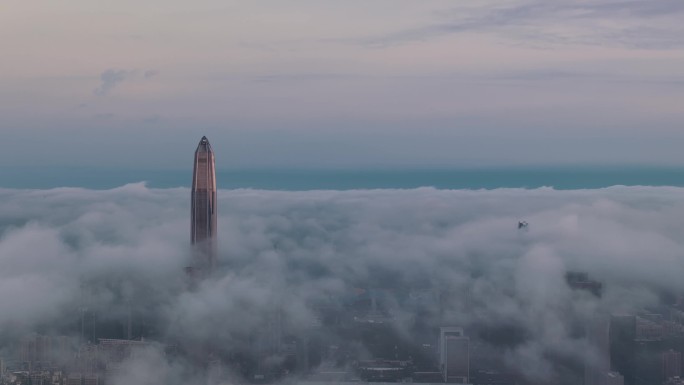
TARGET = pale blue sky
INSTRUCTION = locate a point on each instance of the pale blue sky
(378, 83)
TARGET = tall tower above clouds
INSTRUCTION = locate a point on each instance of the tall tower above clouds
(203, 216)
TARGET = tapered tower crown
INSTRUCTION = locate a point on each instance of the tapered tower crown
(204, 145)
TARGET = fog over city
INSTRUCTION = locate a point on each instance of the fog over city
(375, 208)
(284, 255)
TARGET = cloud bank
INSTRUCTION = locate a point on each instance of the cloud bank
(288, 255)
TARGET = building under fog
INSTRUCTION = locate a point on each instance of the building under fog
(597, 366)
(622, 337)
(454, 355)
(672, 364)
(204, 213)
(614, 378)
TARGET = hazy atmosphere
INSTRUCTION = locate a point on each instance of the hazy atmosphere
(313, 192)
(395, 83)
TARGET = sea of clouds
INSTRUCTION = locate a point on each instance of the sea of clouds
(66, 249)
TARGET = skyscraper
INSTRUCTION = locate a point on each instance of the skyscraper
(614, 378)
(672, 364)
(622, 339)
(454, 355)
(597, 334)
(203, 225)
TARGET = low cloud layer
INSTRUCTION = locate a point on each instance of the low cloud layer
(62, 250)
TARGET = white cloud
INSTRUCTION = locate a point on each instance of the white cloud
(63, 249)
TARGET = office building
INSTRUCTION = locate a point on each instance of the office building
(597, 364)
(648, 365)
(454, 355)
(622, 336)
(35, 351)
(91, 379)
(674, 381)
(204, 213)
(672, 364)
(614, 378)
(74, 379)
(38, 378)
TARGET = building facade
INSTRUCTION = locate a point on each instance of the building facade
(672, 364)
(454, 355)
(614, 378)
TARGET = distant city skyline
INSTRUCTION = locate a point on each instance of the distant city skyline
(343, 84)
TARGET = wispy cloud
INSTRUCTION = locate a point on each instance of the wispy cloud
(112, 78)
(298, 77)
(631, 23)
(149, 74)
